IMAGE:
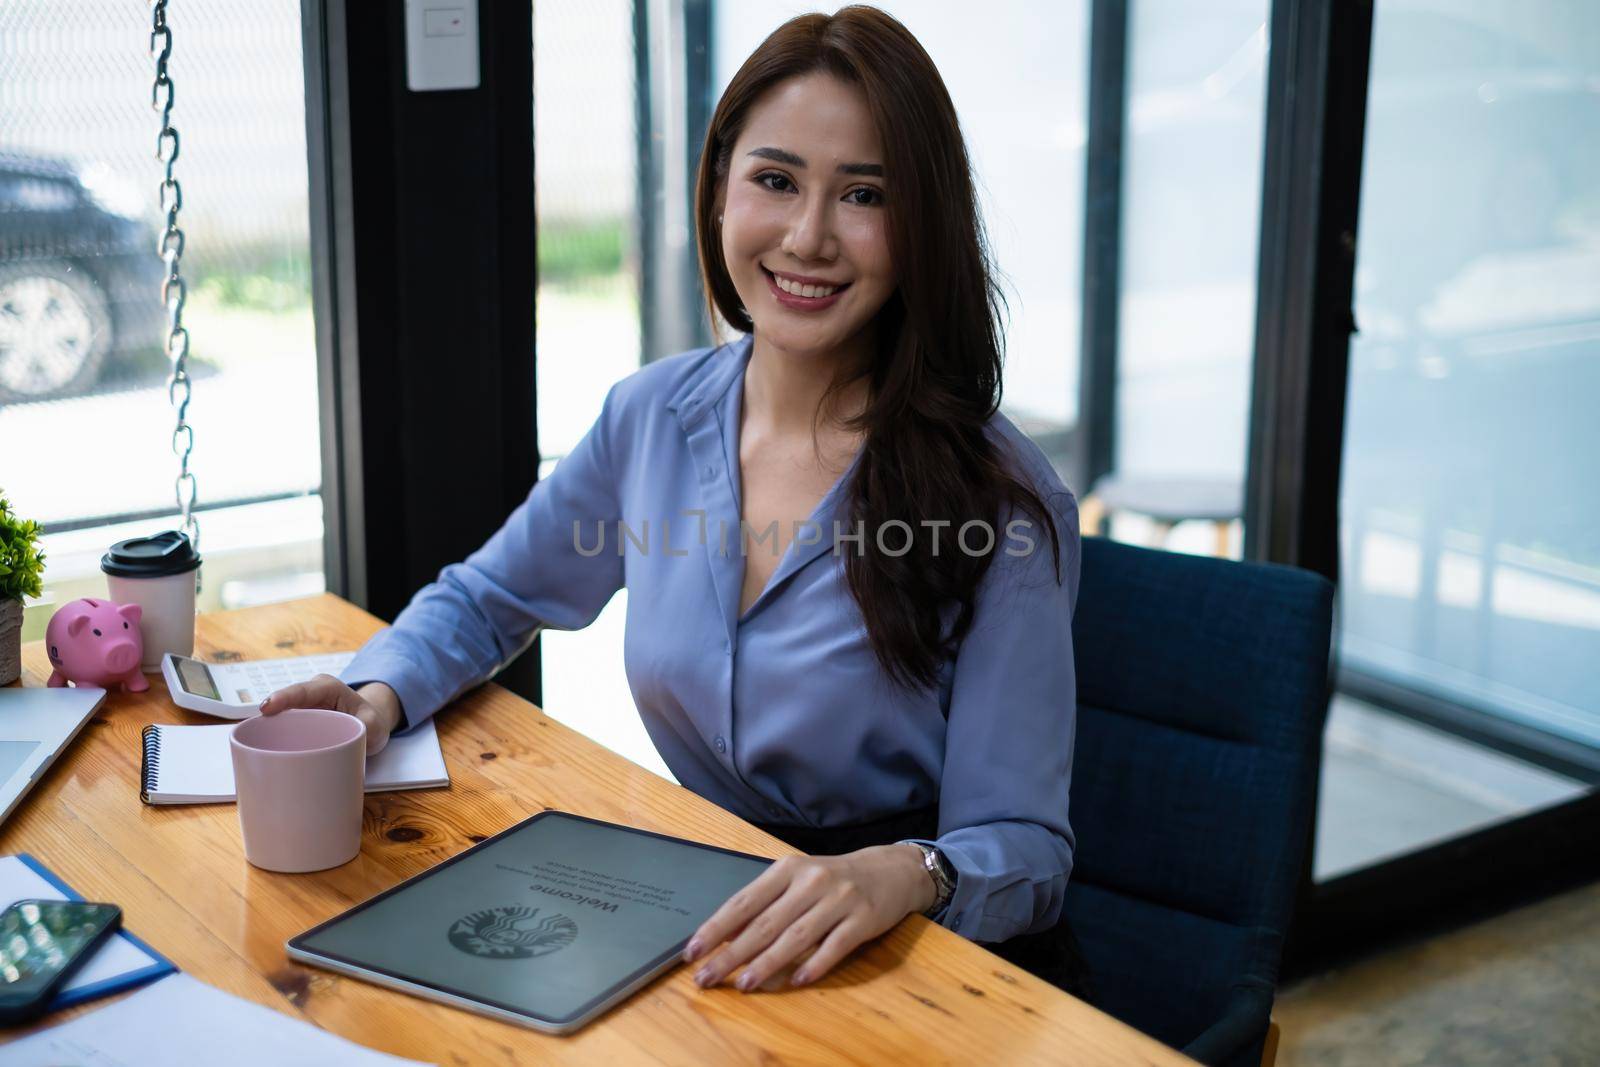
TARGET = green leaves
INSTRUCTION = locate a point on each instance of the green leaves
(21, 562)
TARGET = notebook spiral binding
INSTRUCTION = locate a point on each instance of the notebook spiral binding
(150, 762)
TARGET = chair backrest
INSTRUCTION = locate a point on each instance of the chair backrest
(1202, 690)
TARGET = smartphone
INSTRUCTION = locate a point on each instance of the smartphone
(41, 943)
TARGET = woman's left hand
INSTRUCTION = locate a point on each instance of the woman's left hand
(827, 903)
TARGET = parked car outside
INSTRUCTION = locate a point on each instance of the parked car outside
(80, 279)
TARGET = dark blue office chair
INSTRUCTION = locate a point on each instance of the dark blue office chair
(1202, 689)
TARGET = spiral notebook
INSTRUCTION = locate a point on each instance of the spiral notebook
(194, 764)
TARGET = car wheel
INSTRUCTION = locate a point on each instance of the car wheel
(55, 330)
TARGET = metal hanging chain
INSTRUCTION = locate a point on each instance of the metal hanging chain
(174, 291)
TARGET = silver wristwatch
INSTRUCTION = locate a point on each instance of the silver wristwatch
(944, 877)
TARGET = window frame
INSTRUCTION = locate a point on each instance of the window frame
(1315, 136)
(418, 200)
(1315, 133)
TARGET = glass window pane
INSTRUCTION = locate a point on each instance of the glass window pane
(584, 171)
(1470, 521)
(587, 325)
(1471, 561)
(1192, 155)
(82, 371)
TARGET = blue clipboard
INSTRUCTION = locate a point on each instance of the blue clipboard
(159, 964)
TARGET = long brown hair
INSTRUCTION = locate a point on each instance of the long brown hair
(934, 381)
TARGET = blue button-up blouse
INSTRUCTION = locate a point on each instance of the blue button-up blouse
(782, 714)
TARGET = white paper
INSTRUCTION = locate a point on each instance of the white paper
(118, 956)
(408, 758)
(196, 761)
(179, 1021)
(197, 764)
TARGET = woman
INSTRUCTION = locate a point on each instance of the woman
(850, 580)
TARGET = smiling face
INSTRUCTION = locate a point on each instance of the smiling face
(804, 230)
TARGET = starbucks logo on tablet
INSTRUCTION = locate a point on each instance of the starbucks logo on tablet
(512, 933)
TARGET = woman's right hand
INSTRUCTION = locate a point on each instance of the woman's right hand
(375, 704)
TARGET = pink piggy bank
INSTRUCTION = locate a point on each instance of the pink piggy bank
(96, 642)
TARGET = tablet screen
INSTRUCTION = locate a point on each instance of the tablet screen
(546, 919)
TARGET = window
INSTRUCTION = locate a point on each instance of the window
(588, 326)
(1471, 592)
(585, 170)
(1192, 159)
(84, 416)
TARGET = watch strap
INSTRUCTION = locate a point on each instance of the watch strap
(938, 868)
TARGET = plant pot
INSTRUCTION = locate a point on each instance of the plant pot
(10, 641)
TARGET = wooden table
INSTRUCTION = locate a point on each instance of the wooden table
(920, 994)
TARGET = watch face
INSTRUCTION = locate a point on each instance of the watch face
(944, 881)
(944, 878)
(940, 870)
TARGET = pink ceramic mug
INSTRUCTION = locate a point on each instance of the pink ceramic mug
(301, 780)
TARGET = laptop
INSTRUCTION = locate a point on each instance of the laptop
(35, 725)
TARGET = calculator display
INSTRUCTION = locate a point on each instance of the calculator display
(196, 678)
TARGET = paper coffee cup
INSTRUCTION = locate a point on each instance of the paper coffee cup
(159, 574)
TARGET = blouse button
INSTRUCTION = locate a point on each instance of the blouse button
(711, 471)
(722, 746)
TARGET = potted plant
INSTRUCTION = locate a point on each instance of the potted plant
(21, 564)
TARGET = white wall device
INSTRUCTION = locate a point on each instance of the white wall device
(441, 44)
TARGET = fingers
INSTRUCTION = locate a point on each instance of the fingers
(377, 733)
(841, 940)
(757, 935)
(802, 934)
(740, 908)
(326, 691)
(804, 912)
(323, 691)
(807, 887)
(290, 696)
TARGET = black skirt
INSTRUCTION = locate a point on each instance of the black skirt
(1051, 954)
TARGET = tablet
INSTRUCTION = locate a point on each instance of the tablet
(547, 924)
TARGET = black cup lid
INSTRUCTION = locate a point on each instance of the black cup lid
(151, 557)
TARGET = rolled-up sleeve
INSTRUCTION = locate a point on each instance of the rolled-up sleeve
(543, 568)
(1008, 751)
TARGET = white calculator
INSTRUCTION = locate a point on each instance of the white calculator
(233, 690)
